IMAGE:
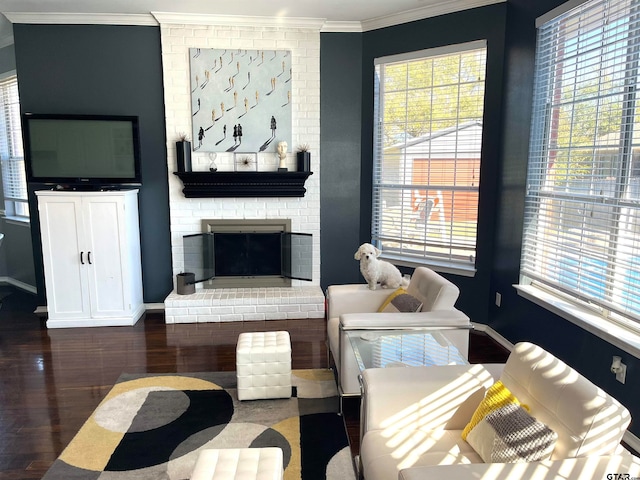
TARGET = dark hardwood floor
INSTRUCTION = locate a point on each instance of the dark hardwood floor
(51, 380)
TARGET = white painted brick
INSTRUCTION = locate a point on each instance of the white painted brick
(200, 311)
(308, 308)
(178, 311)
(267, 309)
(185, 214)
(183, 319)
(244, 310)
(289, 308)
(225, 310)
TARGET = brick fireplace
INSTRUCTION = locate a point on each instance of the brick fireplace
(248, 253)
(299, 299)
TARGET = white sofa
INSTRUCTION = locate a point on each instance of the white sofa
(354, 306)
(412, 420)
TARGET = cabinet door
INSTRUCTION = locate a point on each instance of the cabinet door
(63, 256)
(105, 231)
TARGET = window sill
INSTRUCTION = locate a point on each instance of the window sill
(440, 267)
(17, 220)
(623, 338)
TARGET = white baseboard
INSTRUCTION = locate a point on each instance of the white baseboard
(481, 327)
(42, 309)
(154, 306)
(18, 284)
(632, 441)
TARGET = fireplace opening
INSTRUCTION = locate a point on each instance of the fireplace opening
(248, 253)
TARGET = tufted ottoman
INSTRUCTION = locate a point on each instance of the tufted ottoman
(263, 365)
(239, 464)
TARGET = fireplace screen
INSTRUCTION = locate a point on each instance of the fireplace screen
(247, 254)
(248, 259)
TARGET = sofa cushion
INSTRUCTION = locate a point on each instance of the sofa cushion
(400, 302)
(384, 453)
(509, 434)
(497, 396)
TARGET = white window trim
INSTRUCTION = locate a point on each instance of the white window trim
(15, 220)
(613, 333)
(432, 52)
(7, 74)
(442, 266)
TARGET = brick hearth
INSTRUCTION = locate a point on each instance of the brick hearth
(245, 304)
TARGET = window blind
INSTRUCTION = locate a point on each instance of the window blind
(427, 149)
(582, 206)
(11, 149)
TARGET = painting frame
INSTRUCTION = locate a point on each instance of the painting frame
(240, 99)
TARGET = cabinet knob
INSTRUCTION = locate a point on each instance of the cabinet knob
(89, 258)
(82, 258)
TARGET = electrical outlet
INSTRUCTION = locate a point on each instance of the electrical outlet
(498, 299)
(621, 374)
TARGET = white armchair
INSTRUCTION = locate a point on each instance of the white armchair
(412, 421)
(356, 307)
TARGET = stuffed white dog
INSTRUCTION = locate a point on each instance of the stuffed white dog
(377, 271)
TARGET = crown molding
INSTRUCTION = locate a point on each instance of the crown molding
(81, 18)
(237, 20)
(441, 8)
(154, 18)
(344, 27)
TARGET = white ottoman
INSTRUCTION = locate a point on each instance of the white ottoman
(239, 464)
(263, 365)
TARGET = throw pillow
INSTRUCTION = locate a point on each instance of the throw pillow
(400, 301)
(497, 396)
(509, 434)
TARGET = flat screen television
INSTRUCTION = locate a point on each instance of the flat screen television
(81, 150)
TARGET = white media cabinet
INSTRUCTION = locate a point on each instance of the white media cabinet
(91, 257)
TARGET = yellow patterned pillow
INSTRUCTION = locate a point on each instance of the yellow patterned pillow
(400, 301)
(497, 396)
(509, 434)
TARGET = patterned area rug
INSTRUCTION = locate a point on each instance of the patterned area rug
(154, 426)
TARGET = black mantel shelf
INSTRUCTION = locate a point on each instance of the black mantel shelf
(243, 184)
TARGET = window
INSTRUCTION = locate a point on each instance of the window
(582, 211)
(427, 148)
(11, 152)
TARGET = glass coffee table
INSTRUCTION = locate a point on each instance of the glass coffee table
(403, 348)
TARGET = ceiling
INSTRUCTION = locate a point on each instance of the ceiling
(338, 15)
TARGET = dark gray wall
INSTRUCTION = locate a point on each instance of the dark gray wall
(16, 256)
(510, 31)
(103, 69)
(519, 319)
(340, 124)
(488, 24)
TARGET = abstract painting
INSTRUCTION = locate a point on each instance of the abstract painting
(240, 99)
